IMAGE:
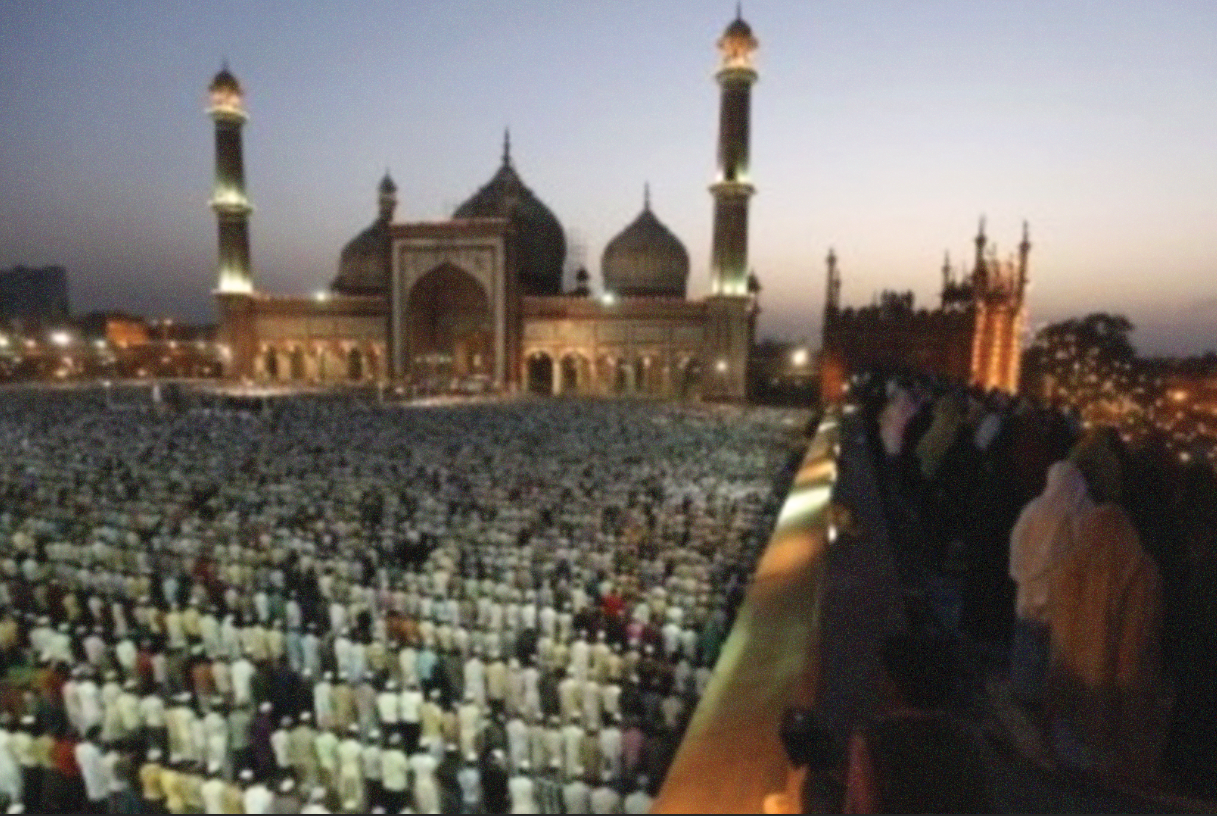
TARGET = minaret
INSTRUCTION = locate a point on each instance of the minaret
(832, 297)
(228, 195)
(235, 298)
(732, 188)
(731, 309)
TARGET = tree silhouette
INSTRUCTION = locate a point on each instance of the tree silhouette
(1089, 363)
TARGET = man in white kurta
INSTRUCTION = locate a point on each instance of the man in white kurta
(426, 791)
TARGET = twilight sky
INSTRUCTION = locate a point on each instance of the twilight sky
(880, 128)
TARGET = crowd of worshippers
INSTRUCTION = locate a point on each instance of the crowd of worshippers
(1093, 563)
(327, 606)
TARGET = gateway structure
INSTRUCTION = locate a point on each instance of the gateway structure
(973, 337)
(478, 298)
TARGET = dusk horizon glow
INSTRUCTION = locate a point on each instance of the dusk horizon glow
(881, 130)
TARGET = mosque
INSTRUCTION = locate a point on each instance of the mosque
(477, 300)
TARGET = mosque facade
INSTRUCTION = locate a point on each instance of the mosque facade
(974, 336)
(478, 299)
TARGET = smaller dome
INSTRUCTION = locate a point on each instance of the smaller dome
(645, 260)
(363, 266)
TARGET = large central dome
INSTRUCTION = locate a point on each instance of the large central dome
(645, 260)
(542, 243)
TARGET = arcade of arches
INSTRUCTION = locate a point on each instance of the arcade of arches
(325, 361)
(574, 372)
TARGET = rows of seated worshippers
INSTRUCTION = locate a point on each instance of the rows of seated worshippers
(1090, 564)
(332, 607)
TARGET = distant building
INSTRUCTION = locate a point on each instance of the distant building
(117, 328)
(33, 297)
(479, 297)
(972, 337)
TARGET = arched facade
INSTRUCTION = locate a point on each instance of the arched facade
(642, 372)
(449, 327)
(634, 347)
(355, 364)
(574, 373)
(687, 377)
(319, 362)
(540, 376)
(454, 307)
(455, 316)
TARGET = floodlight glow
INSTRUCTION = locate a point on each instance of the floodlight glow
(800, 357)
(608, 298)
(721, 366)
(61, 338)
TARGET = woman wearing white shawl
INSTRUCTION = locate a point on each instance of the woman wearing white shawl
(1045, 533)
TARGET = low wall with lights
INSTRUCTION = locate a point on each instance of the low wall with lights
(731, 759)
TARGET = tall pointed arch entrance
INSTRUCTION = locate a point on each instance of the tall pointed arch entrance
(454, 316)
(450, 333)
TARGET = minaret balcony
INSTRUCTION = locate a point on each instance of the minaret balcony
(230, 202)
(229, 113)
(730, 189)
(736, 71)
